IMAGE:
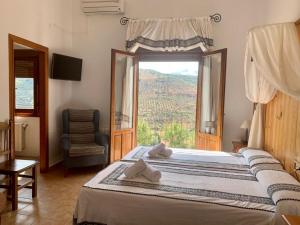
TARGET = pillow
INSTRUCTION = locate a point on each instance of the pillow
(257, 156)
(261, 167)
(283, 189)
(262, 161)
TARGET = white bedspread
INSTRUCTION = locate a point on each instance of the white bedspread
(184, 196)
(192, 158)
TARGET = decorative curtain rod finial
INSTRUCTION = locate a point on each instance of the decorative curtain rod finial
(124, 20)
(217, 17)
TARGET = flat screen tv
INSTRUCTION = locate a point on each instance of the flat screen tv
(66, 67)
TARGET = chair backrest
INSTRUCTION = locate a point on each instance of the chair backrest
(81, 125)
(4, 138)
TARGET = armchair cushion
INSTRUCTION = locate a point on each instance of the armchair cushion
(82, 138)
(81, 127)
(77, 115)
(77, 150)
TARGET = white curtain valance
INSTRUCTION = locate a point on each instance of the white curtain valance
(272, 62)
(175, 34)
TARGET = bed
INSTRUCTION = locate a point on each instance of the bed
(197, 187)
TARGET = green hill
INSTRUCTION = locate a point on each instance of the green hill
(166, 98)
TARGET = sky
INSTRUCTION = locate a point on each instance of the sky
(183, 68)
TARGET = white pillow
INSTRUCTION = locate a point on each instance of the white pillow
(283, 189)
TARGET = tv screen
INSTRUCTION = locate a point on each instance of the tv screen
(66, 67)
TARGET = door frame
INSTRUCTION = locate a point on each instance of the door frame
(192, 55)
(145, 55)
(43, 96)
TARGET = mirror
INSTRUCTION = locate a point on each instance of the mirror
(210, 93)
(124, 91)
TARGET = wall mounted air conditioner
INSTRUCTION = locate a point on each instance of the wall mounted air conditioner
(102, 6)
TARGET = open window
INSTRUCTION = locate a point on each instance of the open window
(200, 93)
(26, 82)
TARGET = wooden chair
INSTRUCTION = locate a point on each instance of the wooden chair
(4, 139)
(4, 152)
(12, 169)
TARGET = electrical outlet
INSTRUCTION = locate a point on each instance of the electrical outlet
(297, 165)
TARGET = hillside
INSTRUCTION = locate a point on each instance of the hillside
(167, 98)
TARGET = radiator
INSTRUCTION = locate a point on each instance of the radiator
(20, 130)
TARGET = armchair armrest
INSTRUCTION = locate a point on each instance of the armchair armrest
(102, 139)
(66, 142)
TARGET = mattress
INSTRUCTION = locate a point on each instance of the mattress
(196, 188)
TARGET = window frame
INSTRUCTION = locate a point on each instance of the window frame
(29, 55)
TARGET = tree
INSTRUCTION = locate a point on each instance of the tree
(145, 135)
(176, 135)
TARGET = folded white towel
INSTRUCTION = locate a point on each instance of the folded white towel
(151, 173)
(160, 150)
(167, 152)
(135, 169)
(156, 149)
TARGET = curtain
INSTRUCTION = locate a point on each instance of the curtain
(272, 62)
(127, 97)
(207, 95)
(176, 34)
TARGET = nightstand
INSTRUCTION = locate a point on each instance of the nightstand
(237, 145)
(291, 220)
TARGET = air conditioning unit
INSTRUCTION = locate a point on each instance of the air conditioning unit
(102, 6)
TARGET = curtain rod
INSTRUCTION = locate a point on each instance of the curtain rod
(217, 17)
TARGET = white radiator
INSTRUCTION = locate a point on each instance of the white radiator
(20, 129)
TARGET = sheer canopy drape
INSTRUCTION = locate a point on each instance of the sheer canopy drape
(173, 34)
(272, 62)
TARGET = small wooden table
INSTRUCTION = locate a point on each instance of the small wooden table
(13, 169)
(237, 145)
(291, 220)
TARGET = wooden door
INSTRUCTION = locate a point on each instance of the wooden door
(210, 100)
(124, 73)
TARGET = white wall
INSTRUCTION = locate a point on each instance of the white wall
(94, 36)
(32, 136)
(278, 11)
(61, 26)
(47, 22)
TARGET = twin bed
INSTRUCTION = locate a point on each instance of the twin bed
(197, 188)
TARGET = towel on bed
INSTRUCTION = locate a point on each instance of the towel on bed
(160, 150)
(135, 169)
(151, 173)
(142, 168)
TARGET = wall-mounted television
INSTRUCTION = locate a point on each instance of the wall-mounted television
(66, 67)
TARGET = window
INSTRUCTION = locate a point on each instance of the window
(24, 93)
(26, 84)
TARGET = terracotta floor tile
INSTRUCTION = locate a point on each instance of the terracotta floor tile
(57, 196)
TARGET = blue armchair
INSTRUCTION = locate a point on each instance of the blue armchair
(83, 144)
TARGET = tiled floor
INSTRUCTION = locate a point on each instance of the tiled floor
(55, 202)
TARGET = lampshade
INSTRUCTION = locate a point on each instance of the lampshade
(246, 124)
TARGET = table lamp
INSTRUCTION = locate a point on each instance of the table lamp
(246, 126)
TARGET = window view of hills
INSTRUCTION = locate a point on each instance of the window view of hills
(24, 93)
(167, 106)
